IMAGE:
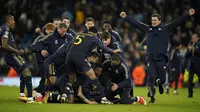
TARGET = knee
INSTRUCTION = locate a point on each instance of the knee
(26, 72)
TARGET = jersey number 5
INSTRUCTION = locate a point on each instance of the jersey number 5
(78, 39)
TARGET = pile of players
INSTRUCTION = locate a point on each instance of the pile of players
(86, 67)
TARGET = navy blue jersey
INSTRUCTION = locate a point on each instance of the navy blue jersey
(118, 74)
(52, 42)
(85, 43)
(157, 37)
(71, 32)
(36, 47)
(115, 35)
(112, 45)
(58, 58)
(6, 33)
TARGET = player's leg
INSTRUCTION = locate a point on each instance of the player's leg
(190, 84)
(18, 63)
(151, 79)
(85, 67)
(176, 79)
(42, 80)
(28, 82)
(126, 99)
(22, 86)
(161, 71)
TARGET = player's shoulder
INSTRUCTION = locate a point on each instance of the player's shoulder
(4, 28)
(69, 35)
(47, 37)
(106, 62)
(115, 32)
(71, 30)
(124, 66)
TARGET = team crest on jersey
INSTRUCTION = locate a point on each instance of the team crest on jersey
(150, 28)
(159, 28)
(56, 41)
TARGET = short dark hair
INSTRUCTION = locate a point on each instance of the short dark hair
(62, 25)
(56, 19)
(89, 19)
(93, 29)
(156, 15)
(65, 17)
(94, 54)
(115, 57)
(7, 17)
(106, 35)
(107, 22)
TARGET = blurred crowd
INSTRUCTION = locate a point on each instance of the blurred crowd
(30, 14)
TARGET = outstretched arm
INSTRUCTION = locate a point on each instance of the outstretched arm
(80, 94)
(104, 48)
(142, 27)
(177, 22)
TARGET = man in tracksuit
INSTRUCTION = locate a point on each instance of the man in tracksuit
(157, 43)
(67, 21)
(112, 44)
(35, 47)
(193, 53)
(50, 44)
(119, 81)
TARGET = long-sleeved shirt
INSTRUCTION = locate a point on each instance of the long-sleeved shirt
(157, 37)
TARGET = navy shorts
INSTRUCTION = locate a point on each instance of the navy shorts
(77, 63)
(16, 62)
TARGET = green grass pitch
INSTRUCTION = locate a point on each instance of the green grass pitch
(164, 103)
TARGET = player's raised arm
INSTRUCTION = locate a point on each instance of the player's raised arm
(177, 22)
(142, 27)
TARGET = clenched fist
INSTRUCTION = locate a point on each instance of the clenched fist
(123, 14)
(191, 12)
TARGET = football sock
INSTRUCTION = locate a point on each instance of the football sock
(22, 84)
(28, 83)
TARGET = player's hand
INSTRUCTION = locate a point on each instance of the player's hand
(116, 50)
(37, 30)
(44, 53)
(93, 102)
(123, 14)
(114, 87)
(191, 12)
(21, 52)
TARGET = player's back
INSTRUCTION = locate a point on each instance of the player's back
(83, 44)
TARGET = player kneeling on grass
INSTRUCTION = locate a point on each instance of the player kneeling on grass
(118, 73)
